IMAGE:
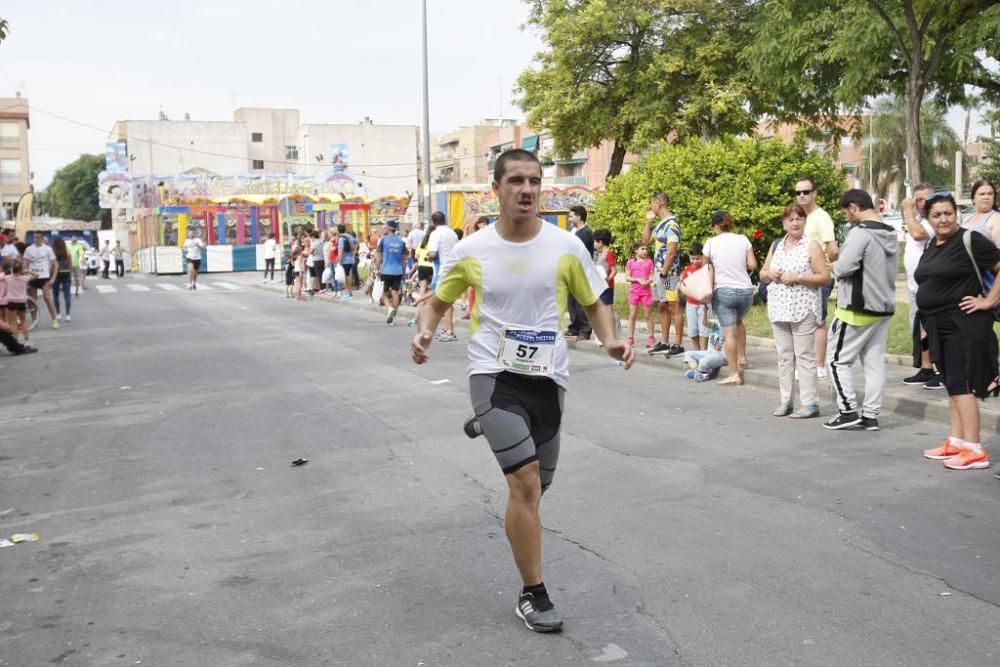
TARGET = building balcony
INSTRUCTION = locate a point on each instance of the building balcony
(570, 180)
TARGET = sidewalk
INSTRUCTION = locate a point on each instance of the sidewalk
(913, 402)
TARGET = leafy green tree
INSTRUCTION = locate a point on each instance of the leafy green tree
(635, 72)
(753, 179)
(886, 128)
(73, 191)
(990, 167)
(816, 58)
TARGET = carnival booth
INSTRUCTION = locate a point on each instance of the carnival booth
(235, 227)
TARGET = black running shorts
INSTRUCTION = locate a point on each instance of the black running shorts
(393, 283)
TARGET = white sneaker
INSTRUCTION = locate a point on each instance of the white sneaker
(58, 318)
(821, 372)
(69, 319)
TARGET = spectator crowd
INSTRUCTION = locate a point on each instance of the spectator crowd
(950, 264)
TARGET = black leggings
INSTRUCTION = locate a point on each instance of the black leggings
(120, 268)
(269, 267)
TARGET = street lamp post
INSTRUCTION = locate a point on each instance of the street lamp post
(427, 121)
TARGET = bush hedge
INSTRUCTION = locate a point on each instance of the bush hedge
(753, 179)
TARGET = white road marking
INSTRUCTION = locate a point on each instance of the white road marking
(611, 653)
(105, 289)
(138, 288)
(226, 285)
(170, 287)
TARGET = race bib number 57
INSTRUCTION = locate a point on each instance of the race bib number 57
(526, 351)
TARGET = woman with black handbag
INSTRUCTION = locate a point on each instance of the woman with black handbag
(958, 318)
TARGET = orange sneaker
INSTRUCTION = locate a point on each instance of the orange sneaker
(945, 451)
(968, 459)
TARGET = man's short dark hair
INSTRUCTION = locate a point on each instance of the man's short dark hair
(603, 235)
(924, 186)
(341, 228)
(812, 183)
(437, 218)
(662, 197)
(580, 211)
(516, 154)
(696, 250)
(859, 198)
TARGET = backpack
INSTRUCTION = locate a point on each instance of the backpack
(348, 244)
(986, 279)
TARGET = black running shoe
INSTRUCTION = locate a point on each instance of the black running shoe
(675, 349)
(391, 317)
(843, 420)
(472, 427)
(538, 613)
(923, 376)
(659, 348)
(935, 382)
(869, 423)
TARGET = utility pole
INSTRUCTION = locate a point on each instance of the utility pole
(427, 124)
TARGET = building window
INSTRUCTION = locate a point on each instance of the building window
(10, 172)
(10, 135)
(291, 152)
(258, 164)
(9, 204)
(256, 137)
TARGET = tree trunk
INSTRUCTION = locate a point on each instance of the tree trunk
(617, 159)
(914, 98)
(618, 154)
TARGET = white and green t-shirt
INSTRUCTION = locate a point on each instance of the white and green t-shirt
(519, 286)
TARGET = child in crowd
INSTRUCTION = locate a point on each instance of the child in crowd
(704, 365)
(639, 274)
(299, 261)
(605, 260)
(289, 277)
(697, 313)
(17, 298)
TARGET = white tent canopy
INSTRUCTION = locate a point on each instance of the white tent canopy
(46, 224)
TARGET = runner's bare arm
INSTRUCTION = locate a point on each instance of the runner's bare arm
(602, 319)
(428, 318)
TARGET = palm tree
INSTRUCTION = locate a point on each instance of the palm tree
(886, 129)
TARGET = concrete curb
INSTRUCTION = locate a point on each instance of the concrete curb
(894, 401)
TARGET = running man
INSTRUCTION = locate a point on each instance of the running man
(193, 247)
(42, 262)
(522, 270)
(390, 258)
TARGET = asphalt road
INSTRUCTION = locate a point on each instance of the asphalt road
(149, 445)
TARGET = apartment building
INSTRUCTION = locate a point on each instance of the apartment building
(15, 173)
(369, 160)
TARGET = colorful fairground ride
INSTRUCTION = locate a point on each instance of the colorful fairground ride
(234, 226)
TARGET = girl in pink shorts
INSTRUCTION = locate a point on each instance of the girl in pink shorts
(639, 274)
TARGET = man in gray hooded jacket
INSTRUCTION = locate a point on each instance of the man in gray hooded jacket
(866, 299)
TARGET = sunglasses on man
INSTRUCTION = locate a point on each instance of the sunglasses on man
(802, 193)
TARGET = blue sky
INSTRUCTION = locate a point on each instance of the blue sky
(96, 62)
